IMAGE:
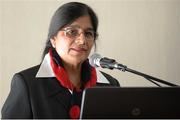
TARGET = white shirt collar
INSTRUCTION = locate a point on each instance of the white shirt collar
(45, 71)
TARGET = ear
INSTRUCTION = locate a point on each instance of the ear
(53, 42)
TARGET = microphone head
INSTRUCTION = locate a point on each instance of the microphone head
(94, 60)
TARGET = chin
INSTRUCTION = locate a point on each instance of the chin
(79, 59)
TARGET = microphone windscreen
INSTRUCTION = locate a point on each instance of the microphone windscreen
(94, 60)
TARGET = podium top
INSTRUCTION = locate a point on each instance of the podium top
(131, 102)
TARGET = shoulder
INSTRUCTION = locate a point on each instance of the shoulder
(26, 75)
(111, 79)
(30, 71)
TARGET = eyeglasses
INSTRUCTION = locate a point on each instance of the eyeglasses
(75, 32)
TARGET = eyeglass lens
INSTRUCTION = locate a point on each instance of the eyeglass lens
(74, 32)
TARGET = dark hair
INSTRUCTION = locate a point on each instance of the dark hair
(65, 15)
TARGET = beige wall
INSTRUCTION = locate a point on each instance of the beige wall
(142, 34)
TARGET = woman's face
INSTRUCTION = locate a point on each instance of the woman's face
(73, 43)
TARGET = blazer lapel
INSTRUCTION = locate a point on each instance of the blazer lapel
(57, 92)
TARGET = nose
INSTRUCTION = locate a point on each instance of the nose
(81, 39)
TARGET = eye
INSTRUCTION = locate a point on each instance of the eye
(89, 34)
(71, 32)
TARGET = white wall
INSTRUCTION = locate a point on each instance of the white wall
(142, 34)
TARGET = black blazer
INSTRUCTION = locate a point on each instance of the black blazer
(32, 97)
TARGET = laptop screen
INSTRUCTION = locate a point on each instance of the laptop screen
(131, 102)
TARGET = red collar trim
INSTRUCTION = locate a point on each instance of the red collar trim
(62, 76)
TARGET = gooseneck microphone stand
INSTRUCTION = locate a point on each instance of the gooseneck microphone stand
(150, 78)
(113, 64)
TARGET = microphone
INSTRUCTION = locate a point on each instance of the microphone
(96, 60)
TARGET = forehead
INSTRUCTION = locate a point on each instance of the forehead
(83, 22)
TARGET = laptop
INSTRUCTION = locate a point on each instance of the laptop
(131, 102)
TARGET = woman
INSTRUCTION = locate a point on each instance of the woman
(54, 88)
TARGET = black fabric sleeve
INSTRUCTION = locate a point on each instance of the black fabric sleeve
(17, 104)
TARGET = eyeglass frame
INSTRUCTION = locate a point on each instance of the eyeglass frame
(65, 30)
